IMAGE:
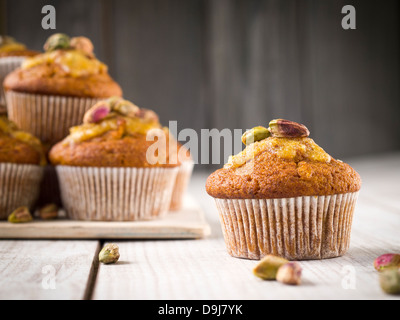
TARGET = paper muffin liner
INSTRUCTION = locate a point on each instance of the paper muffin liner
(7, 65)
(116, 194)
(47, 117)
(181, 184)
(19, 186)
(302, 228)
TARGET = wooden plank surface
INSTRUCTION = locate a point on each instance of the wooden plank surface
(187, 223)
(202, 269)
(37, 270)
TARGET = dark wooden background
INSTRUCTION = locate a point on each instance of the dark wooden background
(240, 63)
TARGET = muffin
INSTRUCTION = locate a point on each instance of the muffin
(51, 92)
(12, 54)
(116, 166)
(182, 179)
(21, 167)
(284, 195)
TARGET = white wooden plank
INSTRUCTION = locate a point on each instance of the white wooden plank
(187, 223)
(202, 269)
(38, 270)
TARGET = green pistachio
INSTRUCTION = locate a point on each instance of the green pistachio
(390, 280)
(20, 215)
(57, 41)
(109, 254)
(255, 134)
(268, 267)
(49, 212)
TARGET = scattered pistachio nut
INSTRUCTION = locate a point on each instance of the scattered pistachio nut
(289, 273)
(98, 112)
(255, 134)
(6, 40)
(390, 280)
(20, 215)
(281, 128)
(57, 41)
(126, 108)
(268, 267)
(109, 254)
(49, 212)
(82, 44)
(388, 260)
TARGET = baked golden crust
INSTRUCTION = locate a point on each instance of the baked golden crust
(105, 151)
(269, 176)
(18, 53)
(51, 79)
(16, 151)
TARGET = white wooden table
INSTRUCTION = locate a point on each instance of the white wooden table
(202, 269)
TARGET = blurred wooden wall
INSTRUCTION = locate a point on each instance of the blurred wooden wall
(240, 63)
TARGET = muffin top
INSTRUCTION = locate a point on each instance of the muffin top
(18, 146)
(117, 133)
(68, 67)
(9, 47)
(281, 162)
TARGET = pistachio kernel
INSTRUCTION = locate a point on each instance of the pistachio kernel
(281, 128)
(390, 280)
(49, 212)
(255, 134)
(82, 44)
(268, 267)
(386, 261)
(97, 113)
(20, 215)
(289, 273)
(109, 254)
(6, 40)
(57, 41)
(126, 108)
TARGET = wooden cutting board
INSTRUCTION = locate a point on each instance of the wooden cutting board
(187, 223)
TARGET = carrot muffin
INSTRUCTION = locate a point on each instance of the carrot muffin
(284, 195)
(116, 165)
(21, 167)
(51, 92)
(12, 54)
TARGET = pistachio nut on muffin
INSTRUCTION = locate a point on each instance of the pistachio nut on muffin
(51, 91)
(284, 195)
(22, 161)
(12, 54)
(105, 169)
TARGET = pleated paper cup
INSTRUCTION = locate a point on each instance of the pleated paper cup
(181, 184)
(7, 65)
(19, 186)
(302, 228)
(47, 117)
(116, 194)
